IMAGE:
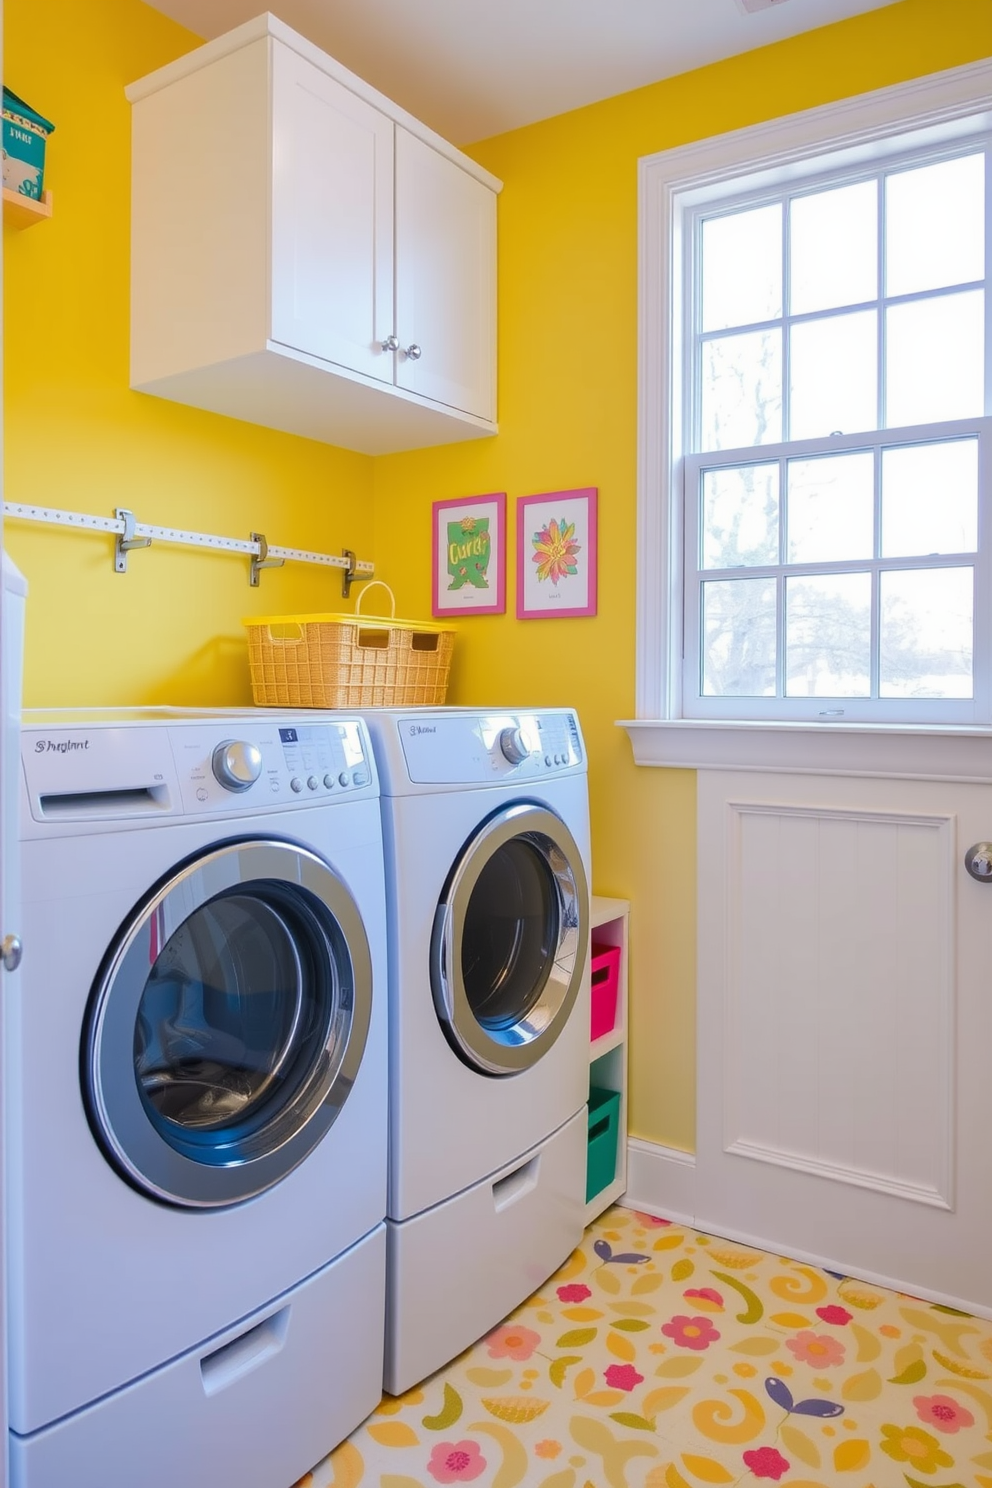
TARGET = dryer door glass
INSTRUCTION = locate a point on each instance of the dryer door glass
(229, 1024)
(510, 937)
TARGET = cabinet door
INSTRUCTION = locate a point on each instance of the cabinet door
(445, 279)
(332, 219)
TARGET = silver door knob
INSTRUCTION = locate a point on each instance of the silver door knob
(11, 951)
(978, 861)
(391, 343)
(412, 351)
(236, 765)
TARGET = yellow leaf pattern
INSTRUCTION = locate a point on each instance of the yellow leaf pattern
(745, 1398)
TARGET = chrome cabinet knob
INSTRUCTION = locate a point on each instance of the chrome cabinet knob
(978, 861)
(391, 343)
(236, 764)
(11, 951)
(412, 351)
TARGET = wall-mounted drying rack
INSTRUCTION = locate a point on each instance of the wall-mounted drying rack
(132, 534)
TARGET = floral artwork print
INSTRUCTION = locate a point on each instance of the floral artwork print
(556, 554)
(660, 1357)
(556, 550)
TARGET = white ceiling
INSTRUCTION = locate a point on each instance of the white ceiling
(474, 68)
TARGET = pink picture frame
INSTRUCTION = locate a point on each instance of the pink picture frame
(468, 556)
(557, 555)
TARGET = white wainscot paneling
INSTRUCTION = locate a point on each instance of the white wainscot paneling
(838, 1042)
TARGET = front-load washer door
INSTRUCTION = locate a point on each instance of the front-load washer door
(509, 940)
(228, 1023)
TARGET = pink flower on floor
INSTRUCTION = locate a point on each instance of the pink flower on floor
(838, 1315)
(706, 1298)
(691, 1332)
(766, 1462)
(818, 1349)
(943, 1413)
(511, 1342)
(623, 1377)
(575, 1292)
(650, 1219)
(456, 1462)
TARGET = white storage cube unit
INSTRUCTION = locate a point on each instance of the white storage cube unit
(306, 255)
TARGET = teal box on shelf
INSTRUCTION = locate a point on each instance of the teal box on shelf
(604, 1130)
(25, 134)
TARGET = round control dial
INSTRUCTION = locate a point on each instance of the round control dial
(236, 764)
(514, 746)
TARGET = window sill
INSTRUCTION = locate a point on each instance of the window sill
(913, 753)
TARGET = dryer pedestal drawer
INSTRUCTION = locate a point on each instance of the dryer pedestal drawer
(224, 1413)
(458, 1269)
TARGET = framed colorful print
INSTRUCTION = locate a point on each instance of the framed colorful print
(468, 556)
(556, 555)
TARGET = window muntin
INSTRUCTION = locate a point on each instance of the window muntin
(836, 562)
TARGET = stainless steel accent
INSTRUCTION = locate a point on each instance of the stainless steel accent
(223, 1161)
(514, 746)
(236, 764)
(391, 343)
(413, 351)
(127, 542)
(513, 1046)
(978, 861)
(262, 561)
(11, 952)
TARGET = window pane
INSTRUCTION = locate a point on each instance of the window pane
(833, 376)
(926, 633)
(930, 498)
(828, 636)
(739, 638)
(740, 516)
(833, 251)
(742, 268)
(742, 390)
(935, 360)
(831, 508)
(935, 226)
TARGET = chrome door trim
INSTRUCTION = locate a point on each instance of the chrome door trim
(113, 1100)
(509, 1050)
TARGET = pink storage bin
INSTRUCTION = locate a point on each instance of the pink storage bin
(605, 987)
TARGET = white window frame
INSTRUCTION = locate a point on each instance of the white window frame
(945, 107)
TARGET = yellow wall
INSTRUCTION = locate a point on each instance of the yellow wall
(77, 438)
(169, 631)
(567, 410)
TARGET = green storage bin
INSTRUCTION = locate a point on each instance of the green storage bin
(604, 1132)
(25, 133)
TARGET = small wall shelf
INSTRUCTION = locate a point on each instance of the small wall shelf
(608, 1053)
(23, 211)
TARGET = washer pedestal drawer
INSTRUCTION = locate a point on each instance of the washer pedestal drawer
(255, 1406)
(459, 1268)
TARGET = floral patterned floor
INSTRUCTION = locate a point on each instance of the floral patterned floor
(658, 1357)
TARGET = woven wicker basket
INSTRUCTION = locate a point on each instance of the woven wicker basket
(348, 661)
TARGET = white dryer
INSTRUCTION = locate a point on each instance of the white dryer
(196, 1100)
(486, 831)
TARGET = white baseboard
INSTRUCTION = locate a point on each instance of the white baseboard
(660, 1181)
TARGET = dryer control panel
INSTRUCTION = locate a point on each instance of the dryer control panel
(469, 748)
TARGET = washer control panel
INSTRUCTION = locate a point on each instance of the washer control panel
(289, 764)
(456, 748)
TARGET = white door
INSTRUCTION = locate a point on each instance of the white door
(845, 1026)
(332, 219)
(445, 280)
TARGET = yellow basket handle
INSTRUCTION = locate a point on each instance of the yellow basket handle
(285, 640)
(377, 584)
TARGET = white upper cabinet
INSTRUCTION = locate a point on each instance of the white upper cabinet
(305, 255)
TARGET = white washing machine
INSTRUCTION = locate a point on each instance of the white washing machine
(196, 1100)
(486, 831)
